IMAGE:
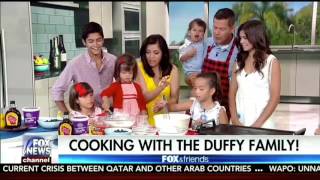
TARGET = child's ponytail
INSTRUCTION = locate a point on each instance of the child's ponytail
(217, 96)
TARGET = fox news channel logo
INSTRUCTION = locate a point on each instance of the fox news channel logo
(184, 159)
(36, 149)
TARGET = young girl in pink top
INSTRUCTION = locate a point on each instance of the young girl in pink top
(127, 95)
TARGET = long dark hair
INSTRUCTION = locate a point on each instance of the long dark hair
(165, 64)
(256, 34)
(214, 81)
(125, 62)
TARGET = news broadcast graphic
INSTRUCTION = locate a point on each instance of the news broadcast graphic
(36, 150)
(189, 150)
(170, 154)
(161, 168)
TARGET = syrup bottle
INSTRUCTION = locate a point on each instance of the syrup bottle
(13, 117)
(66, 126)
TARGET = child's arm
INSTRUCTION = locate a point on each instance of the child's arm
(223, 119)
(188, 55)
(105, 94)
(180, 106)
(143, 112)
(196, 123)
(106, 103)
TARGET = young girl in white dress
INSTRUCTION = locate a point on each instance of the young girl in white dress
(255, 85)
(205, 106)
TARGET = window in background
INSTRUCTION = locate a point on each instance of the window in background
(131, 19)
(131, 31)
(277, 17)
(180, 14)
(132, 46)
(302, 19)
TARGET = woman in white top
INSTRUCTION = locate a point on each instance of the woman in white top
(255, 85)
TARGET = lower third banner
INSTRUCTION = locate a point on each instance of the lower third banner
(161, 168)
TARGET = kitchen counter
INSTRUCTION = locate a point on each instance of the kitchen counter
(46, 74)
(225, 129)
(298, 50)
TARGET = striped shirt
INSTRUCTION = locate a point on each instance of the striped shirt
(83, 69)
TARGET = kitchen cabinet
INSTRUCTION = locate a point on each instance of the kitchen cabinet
(101, 12)
(61, 3)
(53, 109)
(308, 74)
(42, 92)
(300, 73)
(154, 10)
(126, 28)
(288, 73)
(44, 98)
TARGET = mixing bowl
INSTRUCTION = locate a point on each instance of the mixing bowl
(172, 123)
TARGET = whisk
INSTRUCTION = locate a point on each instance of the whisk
(165, 108)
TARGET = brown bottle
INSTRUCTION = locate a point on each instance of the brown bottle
(66, 126)
(13, 116)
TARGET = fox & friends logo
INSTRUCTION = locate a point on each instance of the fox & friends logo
(36, 149)
(184, 159)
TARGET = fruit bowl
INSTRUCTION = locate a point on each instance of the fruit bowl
(49, 122)
(42, 67)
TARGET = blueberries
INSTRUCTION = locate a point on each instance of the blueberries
(120, 130)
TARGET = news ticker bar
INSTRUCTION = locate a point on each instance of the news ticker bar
(160, 168)
(188, 159)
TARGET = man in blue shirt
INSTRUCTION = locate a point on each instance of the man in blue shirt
(222, 51)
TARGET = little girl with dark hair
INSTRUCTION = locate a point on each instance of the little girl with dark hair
(81, 100)
(127, 95)
(205, 106)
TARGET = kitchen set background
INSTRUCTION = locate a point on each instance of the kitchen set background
(300, 66)
(50, 22)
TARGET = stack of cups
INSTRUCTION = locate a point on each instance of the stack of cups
(31, 116)
(80, 124)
